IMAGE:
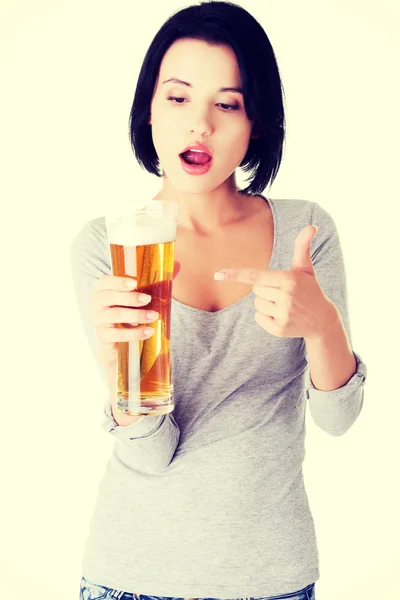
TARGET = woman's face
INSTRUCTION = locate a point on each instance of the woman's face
(199, 113)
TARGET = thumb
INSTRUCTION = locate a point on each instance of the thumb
(302, 253)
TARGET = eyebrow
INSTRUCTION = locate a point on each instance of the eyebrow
(239, 90)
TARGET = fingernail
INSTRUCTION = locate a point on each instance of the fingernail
(152, 314)
(130, 283)
(148, 331)
(220, 276)
(144, 298)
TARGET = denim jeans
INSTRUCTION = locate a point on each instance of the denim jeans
(91, 591)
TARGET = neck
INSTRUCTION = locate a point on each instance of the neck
(206, 212)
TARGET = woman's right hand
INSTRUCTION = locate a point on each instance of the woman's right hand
(114, 303)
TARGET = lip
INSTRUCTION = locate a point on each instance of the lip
(200, 147)
(193, 169)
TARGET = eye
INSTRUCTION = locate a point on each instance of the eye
(174, 98)
(226, 107)
(229, 106)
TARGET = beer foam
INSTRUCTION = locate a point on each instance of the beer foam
(141, 231)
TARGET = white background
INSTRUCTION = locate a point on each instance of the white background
(68, 75)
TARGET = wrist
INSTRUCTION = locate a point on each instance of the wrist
(122, 419)
(331, 322)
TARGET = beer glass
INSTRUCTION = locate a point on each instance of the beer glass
(141, 245)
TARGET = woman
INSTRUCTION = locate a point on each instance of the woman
(209, 500)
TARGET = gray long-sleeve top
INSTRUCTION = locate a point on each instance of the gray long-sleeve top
(209, 500)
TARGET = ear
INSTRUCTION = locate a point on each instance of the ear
(149, 121)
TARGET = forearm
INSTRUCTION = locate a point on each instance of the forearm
(143, 443)
(330, 358)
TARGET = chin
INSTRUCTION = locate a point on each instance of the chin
(198, 188)
(203, 184)
(193, 186)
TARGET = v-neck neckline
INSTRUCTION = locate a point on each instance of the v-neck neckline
(200, 311)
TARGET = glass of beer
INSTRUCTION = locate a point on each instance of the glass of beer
(142, 244)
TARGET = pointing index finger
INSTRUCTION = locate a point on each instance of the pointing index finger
(251, 276)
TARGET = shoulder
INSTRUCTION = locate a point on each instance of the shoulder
(301, 212)
(90, 244)
(292, 215)
(92, 232)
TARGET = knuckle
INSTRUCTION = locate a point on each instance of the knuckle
(283, 317)
(136, 316)
(96, 300)
(288, 303)
(112, 297)
(133, 316)
(119, 315)
(253, 276)
(99, 299)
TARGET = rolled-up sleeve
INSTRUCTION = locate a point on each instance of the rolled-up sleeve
(334, 411)
(150, 441)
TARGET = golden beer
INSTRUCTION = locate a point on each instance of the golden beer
(144, 384)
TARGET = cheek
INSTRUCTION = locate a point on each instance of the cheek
(238, 129)
(162, 133)
(237, 142)
(160, 121)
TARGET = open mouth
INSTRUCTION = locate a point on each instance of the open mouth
(195, 158)
(195, 162)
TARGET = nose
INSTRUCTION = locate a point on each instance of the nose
(201, 123)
